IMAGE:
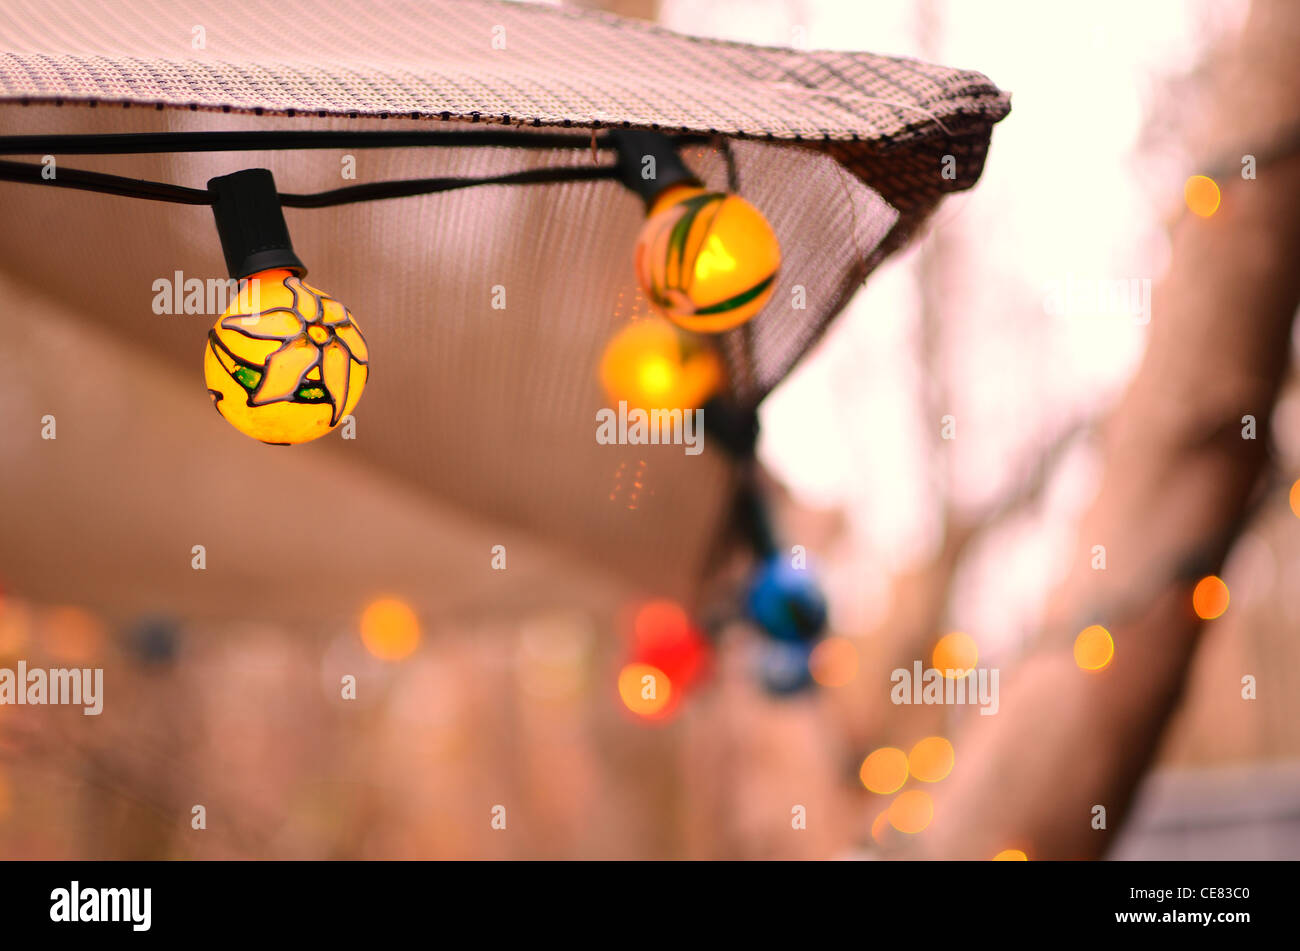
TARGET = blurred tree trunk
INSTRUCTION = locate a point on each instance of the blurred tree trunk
(1177, 480)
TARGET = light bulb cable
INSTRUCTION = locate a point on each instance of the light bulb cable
(181, 142)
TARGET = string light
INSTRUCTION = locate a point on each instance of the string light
(285, 362)
(786, 602)
(650, 364)
(706, 260)
(664, 638)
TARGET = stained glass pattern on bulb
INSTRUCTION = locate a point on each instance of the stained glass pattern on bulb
(707, 260)
(286, 362)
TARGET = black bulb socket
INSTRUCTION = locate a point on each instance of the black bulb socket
(634, 146)
(250, 223)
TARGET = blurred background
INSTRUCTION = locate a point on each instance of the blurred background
(1092, 424)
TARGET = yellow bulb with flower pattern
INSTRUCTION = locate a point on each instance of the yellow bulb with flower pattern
(706, 260)
(285, 362)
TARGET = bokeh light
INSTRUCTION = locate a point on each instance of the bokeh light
(652, 365)
(1202, 195)
(931, 759)
(1093, 648)
(1210, 597)
(884, 771)
(15, 627)
(72, 634)
(912, 811)
(955, 655)
(1011, 855)
(665, 638)
(646, 690)
(834, 662)
(390, 629)
(1295, 498)
(880, 826)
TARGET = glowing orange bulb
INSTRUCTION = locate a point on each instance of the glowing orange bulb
(1210, 597)
(931, 759)
(1011, 855)
(390, 629)
(884, 771)
(285, 363)
(651, 364)
(645, 690)
(1094, 648)
(706, 260)
(657, 376)
(912, 811)
(955, 655)
(1202, 195)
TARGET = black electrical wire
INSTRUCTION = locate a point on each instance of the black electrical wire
(31, 174)
(373, 191)
(136, 143)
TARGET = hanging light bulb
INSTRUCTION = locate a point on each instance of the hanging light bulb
(285, 362)
(786, 602)
(706, 260)
(651, 364)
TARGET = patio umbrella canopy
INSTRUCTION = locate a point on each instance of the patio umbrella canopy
(478, 423)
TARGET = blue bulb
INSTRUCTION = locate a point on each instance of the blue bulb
(783, 666)
(786, 602)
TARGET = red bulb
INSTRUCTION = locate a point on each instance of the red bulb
(664, 637)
